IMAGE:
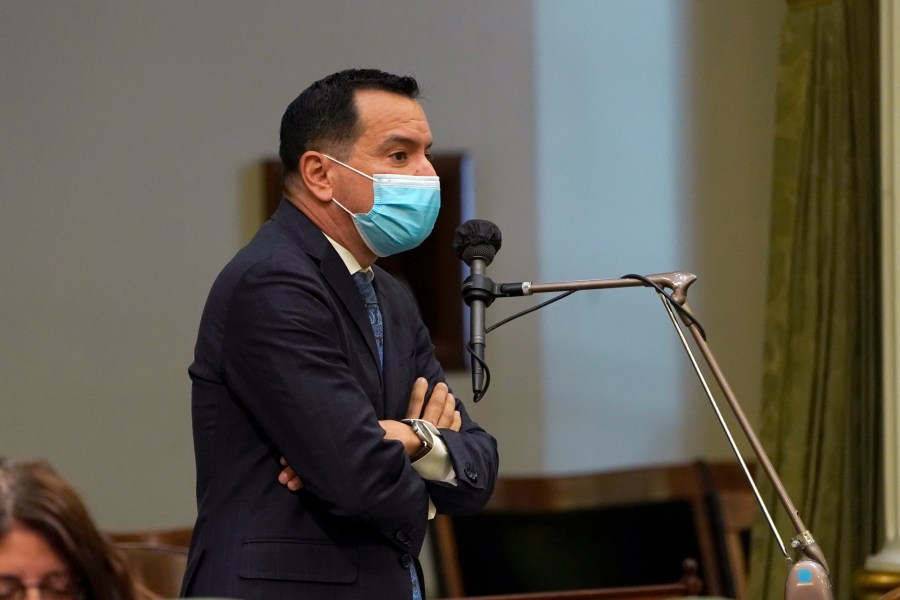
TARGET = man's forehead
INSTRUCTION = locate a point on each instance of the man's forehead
(372, 105)
(392, 118)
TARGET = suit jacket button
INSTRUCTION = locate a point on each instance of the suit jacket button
(403, 537)
(470, 472)
(406, 560)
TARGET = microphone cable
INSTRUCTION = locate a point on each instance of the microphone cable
(471, 349)
(678, 307)
(478, 395)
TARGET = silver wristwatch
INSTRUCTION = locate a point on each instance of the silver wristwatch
(427, 434)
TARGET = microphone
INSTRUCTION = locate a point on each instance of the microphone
(476, 243)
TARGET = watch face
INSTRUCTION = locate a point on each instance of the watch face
(424, 433)
(430, 428)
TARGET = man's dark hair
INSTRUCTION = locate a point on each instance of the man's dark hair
(324, 117)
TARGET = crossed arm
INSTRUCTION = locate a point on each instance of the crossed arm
(439, 410)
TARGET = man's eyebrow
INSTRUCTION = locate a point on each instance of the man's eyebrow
(400, 139)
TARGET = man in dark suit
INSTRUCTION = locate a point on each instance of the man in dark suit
(298, 362)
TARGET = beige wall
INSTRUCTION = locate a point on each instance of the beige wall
(733, 57)
(130, 132)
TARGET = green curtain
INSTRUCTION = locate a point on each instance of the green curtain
(820, 419)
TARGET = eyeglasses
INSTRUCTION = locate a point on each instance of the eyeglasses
(55, 586)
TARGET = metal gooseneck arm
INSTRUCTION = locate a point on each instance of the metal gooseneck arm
(808, 578)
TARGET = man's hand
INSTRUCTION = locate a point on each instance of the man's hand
(289, 478)
(440, 410)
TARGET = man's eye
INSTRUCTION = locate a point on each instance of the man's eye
(399, 156)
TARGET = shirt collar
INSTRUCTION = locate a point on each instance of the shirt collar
(347, 257)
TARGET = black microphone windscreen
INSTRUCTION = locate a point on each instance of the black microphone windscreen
(477, 238)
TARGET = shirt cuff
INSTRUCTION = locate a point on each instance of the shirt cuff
(435, 465)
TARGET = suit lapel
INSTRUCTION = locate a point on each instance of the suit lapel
(335, 273)
(308, 237)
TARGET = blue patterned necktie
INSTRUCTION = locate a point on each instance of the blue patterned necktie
(363, 281)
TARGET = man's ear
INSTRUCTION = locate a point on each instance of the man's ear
(313, 169)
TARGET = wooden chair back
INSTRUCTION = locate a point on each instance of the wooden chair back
(617, 529)
(894, 594)
(688, 585)
(158, 558)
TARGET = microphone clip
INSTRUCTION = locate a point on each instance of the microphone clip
(478, 287)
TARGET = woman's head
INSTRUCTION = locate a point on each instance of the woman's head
(43, 518)
(27, 561)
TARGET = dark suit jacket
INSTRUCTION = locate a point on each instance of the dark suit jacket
(286, 365)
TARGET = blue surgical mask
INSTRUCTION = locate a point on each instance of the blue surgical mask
(404, 212)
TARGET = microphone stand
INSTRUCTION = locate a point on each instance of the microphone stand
(808, 578)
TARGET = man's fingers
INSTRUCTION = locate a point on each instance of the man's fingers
(446, 418)
(288, 477)
(435, 407)
(440, 410)
(417, 398)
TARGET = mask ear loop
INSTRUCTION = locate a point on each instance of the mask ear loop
(331, 158)
(333, 199)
